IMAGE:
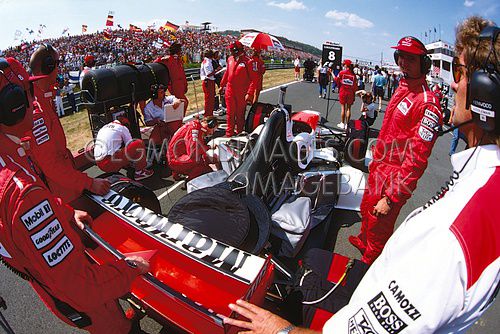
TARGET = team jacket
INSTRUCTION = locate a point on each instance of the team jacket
(240, 78)
(441, 269)
(406, 139)
(187, 144)
(38, 237)
(48, 147)
(178, 82)
(346, 80)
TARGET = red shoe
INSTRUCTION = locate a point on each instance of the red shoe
(356, 242)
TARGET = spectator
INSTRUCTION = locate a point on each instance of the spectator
(324, 74)
(115, 149)
(378, 83)
(68, 91)
(59, 100)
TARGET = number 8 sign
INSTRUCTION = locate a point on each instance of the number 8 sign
(332, 54)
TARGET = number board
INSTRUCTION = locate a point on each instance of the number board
(332, 53)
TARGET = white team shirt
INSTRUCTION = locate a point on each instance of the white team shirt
(439, 271)
(152, 111)
(296, 62)
(110, 138)
(206, 68)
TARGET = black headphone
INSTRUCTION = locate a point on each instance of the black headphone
(14, 100)
(425, 60)
(48, 63)
(483, 95)
(154, 90)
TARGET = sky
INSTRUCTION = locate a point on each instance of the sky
(365, 28)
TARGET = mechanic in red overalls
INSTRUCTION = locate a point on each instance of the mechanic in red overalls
(48, 142)
(178, 83)
(259, 67)
(187, 152)
(240, 82)
(403, 146)
(348, 85)
(37, 230)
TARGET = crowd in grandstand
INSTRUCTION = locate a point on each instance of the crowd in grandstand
(134, 46)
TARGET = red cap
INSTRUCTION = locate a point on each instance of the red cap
(14, 72)
(236, 45)
(347, 62)
(89, 60)
(412, 45)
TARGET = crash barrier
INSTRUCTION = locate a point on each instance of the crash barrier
(191, 74)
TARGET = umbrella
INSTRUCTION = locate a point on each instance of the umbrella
(262, 41)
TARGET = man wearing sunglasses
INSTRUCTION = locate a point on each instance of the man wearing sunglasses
(49, 141)
(440, 271)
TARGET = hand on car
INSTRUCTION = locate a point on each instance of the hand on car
(141, 263)
(82, 218)
(100, 186)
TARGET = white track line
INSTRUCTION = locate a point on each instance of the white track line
(169, 190)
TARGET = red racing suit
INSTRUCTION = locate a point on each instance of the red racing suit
(187, 154)
(348, 85)
(178, 83)
(38, 238)
(48, 147)
(399, 159)
(239, 80)
(259, 67)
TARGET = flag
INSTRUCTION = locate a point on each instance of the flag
(160, 43)
(109, 21)
(65, 30)
(170, 26)
(119, 26)
(135, 29)
(426, 34)
(17, 34)
(107, 34)
(435, 29)
(24, 46)
(84, 28)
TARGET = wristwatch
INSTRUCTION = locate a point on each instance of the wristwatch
(286, 330)
(388, 201)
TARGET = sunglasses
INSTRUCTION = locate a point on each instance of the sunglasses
(456, 68)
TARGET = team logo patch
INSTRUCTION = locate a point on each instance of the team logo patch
(255, 66)
(241, 65)
(56, 254)
(431, 115)
(429, 123)
(37, 215)
(348, 80)
(405, 105)
(47, 234)
(360, 324)
(385, 315)
(425, 133)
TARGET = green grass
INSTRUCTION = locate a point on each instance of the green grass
(77, 127)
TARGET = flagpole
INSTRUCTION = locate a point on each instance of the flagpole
(439, 31)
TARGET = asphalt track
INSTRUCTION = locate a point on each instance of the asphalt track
(27, 314)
